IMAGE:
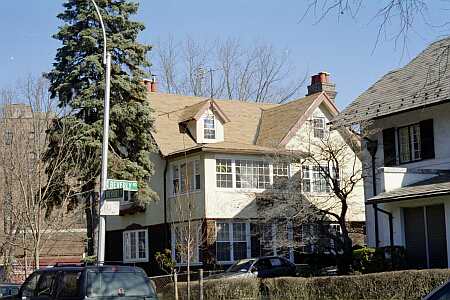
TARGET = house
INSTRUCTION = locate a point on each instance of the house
(215, 157)
(22, 175)
(405, 117)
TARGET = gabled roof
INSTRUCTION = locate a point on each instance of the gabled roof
(422, 82)
(435, 186)
(249, 127)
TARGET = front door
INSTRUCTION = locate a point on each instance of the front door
(425, 236)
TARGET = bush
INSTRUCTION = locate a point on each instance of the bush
(371, 260)
(411, 284)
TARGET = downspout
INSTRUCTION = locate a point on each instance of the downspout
(372, 147)
(166, 226)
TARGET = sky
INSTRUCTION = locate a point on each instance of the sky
(343, 46)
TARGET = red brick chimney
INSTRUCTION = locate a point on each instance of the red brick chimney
(321, 83)
(151, 84)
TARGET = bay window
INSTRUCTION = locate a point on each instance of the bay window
(186, 177)
(224, 174)
(252, 174)
(135, 246)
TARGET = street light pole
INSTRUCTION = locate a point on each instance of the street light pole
(104, 171)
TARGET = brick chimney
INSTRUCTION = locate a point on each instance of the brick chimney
(151, 84)
(321, 83)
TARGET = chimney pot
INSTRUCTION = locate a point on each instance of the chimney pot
(321, 82)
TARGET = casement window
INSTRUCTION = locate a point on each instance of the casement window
(314, 181)
(409, 143)
(232, 241)
(8, 137)
(186, 177)
(185, 245)
(209, 127)
(135, 245)
(280, 173)
(252, 174)
(224, 173)
(319, 127)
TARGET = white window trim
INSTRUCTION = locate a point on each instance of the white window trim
(188, 191)
(231, 240)
(311, 183)
(214, 127)
(290, 234)
(324, 128)
(173, 247)
(137, 259)
(233, 174)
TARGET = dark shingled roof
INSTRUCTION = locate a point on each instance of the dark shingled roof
(435, 186)
(422, 82)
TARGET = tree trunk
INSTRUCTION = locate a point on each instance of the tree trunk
(345, 259)
(91, 223)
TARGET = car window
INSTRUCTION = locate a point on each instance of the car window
(275, 262)
(263, 264)
(29, 286)
(45, 285)
(70, 284)
(113, 284)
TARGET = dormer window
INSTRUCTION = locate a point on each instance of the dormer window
(209, 127)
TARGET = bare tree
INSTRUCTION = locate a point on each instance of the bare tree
(328, 171)
(32, 221)
(227, 69)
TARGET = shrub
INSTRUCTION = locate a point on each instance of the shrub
(370, 260)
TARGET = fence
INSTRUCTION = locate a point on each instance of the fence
(160, 282)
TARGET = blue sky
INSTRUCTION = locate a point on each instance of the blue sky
(342, 47)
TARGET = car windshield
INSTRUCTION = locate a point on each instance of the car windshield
(107, 284)
(243, 265)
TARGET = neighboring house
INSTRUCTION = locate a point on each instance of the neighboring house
(406, 115)
(22, 136)
(215, 157)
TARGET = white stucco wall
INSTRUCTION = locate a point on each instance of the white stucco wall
(391, 178)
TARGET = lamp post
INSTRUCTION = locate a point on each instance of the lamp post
(104, 171)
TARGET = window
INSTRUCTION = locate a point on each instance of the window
(319, 127)
(232, 240)
(70, 285)
(409, 143)
(277, 239)
(29, 286)
(182, 241)
(224, 174)
(314, 181)
(186, 177)
(46, 284)
(280, 174)
(135, 246)
(8, 137)
(209, 128)
(252, 174)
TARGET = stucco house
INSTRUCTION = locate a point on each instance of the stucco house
(214, 159)
(406, 118)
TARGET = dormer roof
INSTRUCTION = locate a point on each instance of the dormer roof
(195, 111)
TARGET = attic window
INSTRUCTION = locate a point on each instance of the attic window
(209, 128)
(319, 127)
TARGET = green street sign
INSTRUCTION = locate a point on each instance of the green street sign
(126, 185)
(114, 194)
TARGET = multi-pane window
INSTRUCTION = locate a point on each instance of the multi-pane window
(209, 127)
(252, 174)
(319, 127)
(224, 173)
(278, 239)
(186, 177)
(135, 245)
(409, 143)
(185, 244)
(232, 240)
(280, 173)
(314, 181)
(8, 137)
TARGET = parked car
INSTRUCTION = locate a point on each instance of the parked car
(86, 282)
(440, 293)
(9, 289)
(262, 267)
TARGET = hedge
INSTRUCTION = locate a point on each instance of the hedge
(410, 284)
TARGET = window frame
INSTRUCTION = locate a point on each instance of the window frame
(125, 246)
(209, 127)
(312, 170)
(321, 128)
(275, 251)
(193, 167)
(173, 244)
(413, 157)
(231, 240)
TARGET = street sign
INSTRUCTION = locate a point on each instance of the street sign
(126, 185)
(111, 203)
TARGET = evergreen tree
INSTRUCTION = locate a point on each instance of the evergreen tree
(78, 81)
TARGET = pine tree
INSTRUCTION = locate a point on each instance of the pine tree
(78, 81)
